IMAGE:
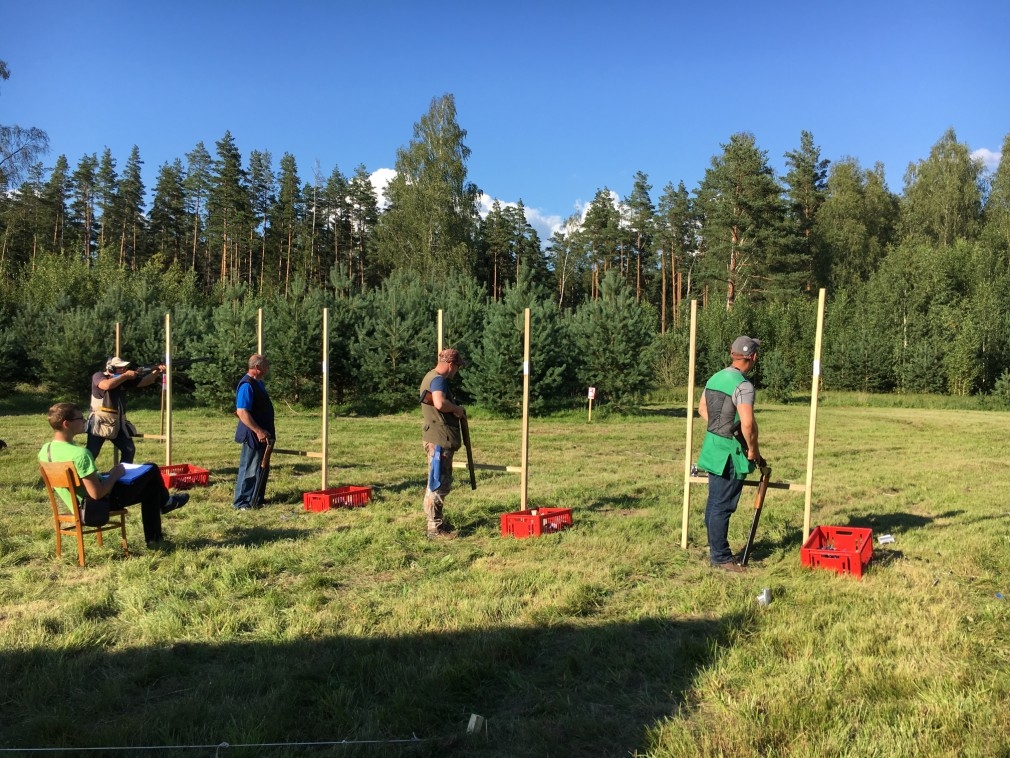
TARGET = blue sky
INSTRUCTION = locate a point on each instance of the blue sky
(559, 99)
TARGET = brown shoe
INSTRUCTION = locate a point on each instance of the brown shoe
(731, 566)
(441, 534)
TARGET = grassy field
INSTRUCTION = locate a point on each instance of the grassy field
(277, 627)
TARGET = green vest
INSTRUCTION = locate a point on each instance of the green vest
(716, 449)
(438, 428)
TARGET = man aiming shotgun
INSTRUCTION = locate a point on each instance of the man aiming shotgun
(728, 401)
(107, 420)
(441, 435)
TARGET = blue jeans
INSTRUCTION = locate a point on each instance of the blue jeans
(723, 496)
(248, 470)
(148, 489)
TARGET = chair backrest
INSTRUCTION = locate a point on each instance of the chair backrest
(61, 475)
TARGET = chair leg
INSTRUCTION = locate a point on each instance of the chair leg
(80, 545)
(122, 527)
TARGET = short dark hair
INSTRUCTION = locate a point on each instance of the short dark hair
(61, 413)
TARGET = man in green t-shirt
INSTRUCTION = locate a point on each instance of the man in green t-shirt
(147, 488)
(727, 405)
(440, 434)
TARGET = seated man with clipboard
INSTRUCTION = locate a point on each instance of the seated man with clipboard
(123, 485)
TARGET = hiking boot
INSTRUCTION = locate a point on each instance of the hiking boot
(175, 502)
(441, 534)
(731, 566)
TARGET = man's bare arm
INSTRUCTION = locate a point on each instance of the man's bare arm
(749, 429)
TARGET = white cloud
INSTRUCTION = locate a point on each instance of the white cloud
(380, 178)
(545, 224)
(989, 159)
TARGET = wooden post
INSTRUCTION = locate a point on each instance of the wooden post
(259, 331)
(524, 476)
(326, 393)
(690, 427)
(115, 450)
(440, 331)
(811, 434)
(168, 389)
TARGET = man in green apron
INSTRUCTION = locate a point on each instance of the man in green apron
(730, 449)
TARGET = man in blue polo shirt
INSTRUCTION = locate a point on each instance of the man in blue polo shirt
(727, 404)
(255, 428)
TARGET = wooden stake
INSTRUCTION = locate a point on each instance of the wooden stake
(168, 389)
(524, 477)
(326, 393)
(259, 331)
(690, 426)
(814, 387)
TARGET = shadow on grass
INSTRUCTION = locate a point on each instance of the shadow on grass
(243, 536)
(886, 523)
(557, 690)
(791, 539)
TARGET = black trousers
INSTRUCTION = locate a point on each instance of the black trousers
(148, 489)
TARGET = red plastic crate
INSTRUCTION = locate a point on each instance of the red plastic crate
(183, 476)
(845, 550)
(536, 521)
(336, 497)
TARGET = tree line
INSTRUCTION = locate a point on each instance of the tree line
(917, 281)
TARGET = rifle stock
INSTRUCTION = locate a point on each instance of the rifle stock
(265, 463)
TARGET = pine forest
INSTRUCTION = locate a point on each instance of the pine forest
(918, 282)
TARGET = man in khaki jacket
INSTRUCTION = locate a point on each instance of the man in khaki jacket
(440, 434)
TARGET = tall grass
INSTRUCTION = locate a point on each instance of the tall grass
(284, 626)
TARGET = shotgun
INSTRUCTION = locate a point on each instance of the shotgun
(262, 473)
(464, 430)
(179, 364)
(759, 501)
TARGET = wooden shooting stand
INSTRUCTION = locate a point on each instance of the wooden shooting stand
(806, 488)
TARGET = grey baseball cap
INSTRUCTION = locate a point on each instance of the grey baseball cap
(745, 346)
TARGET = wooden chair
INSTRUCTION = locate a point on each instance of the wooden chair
(63, 475)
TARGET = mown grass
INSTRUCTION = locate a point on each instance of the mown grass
(282, 626)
